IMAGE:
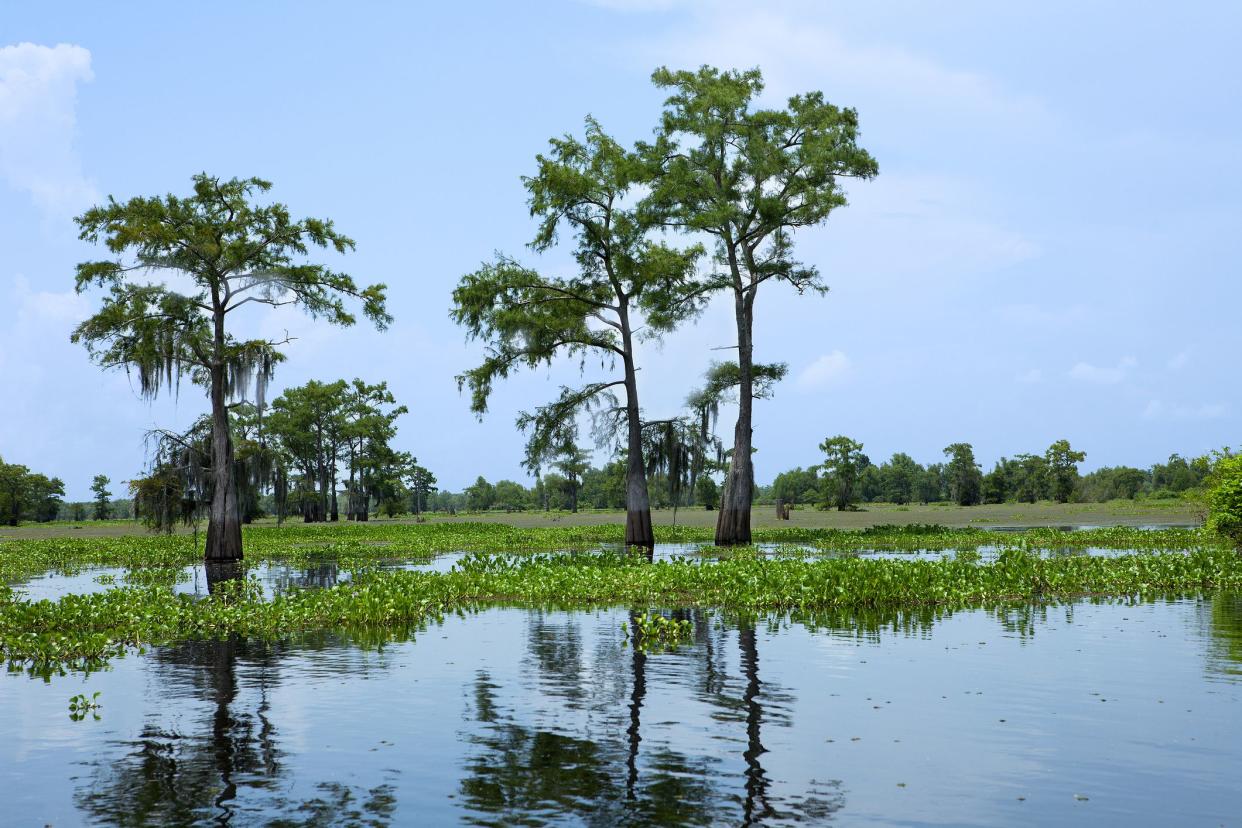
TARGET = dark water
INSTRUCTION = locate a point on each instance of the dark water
(1088, 713)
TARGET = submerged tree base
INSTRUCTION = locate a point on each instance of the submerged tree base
(222, 572)
(733, 527)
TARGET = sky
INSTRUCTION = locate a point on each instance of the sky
(1051, 249)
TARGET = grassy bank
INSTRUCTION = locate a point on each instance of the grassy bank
(1114, 513)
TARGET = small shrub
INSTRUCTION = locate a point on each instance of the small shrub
(1224, 498)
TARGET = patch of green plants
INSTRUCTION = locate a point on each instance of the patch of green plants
(80, 707)
(655, 632)
(362, 545)
(86, 630)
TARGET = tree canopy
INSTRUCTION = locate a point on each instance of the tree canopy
(226, 251)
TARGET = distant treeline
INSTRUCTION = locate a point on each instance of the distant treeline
(847, 476)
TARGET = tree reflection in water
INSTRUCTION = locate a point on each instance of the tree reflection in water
(169, 778)
(605, 772)
(233, 773)
(1225, 629)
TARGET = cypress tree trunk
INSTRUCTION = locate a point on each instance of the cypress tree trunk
(638, 531)
(224, 540)
(733, 521)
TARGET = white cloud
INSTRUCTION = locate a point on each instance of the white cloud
(38, 97)
(41, 307)
(1031, 377)
(1087, 372)
(830, 369)
(1157, 410)
(798, 54)
(915, 224)
(1178, 361)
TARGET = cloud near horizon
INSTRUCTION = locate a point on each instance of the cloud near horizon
(38, 121)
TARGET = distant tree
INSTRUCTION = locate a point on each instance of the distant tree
(1112, 483)
(231, 252)
(899, 478)
(998, 484)
(28, 495)
(749, 178)
(1030, 483)
(78, 511)
(797, 486)
(604, 488)
(511, 496)
(842, 466)
(528, 318)
(310, 423)
(964, 477)
(100, 489)
(1178, 475)
(707, 492)
(422, 484)
(870, 483)
(1062, 462)
(557, 446)
(480, 496)
(931, 485)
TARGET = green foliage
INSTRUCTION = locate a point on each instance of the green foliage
(99, 487)
(527, 318)
(797, 486)
(706, 492)
(480, 496)
(657, 633)
(843, 465)
(230, 251)
(87, 629)
(963, 475)
(1112, 483)
(749, 178)
(899, 478)
(80, 706)
(1062, 462)
(1224, 497)
(28, 495)
(234, 252)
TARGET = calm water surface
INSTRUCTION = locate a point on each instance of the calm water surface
(1087, 713)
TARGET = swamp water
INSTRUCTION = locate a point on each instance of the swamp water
(1105, 712)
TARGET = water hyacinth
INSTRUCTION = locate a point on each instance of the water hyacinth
(88, 629)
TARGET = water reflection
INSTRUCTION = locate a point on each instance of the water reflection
(752, 722)
(168, 777)
(1225, 612)
(227, 767)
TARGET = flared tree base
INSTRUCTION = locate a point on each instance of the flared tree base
(638, 532)
(733, 527)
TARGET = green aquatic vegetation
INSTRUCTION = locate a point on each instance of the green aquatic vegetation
(80, 706)
(85, 630)
(156, 576)
(360, 545)
(655, 632)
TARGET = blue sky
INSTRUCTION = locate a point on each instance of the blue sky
(1051, 249)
